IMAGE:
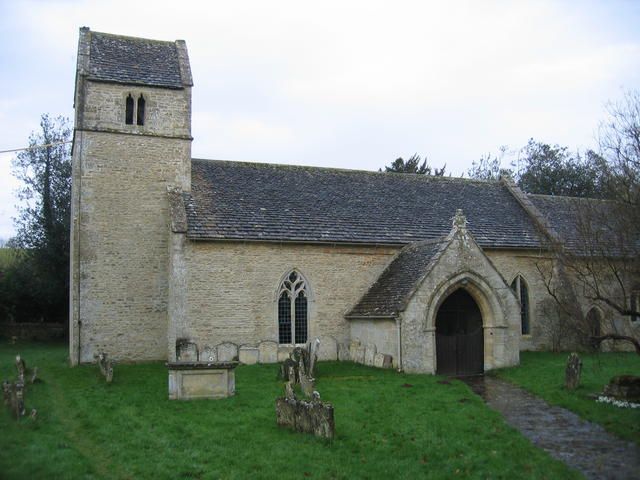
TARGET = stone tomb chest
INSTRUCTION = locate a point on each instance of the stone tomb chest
(193, 380)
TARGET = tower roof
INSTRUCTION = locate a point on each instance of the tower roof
(138, 61)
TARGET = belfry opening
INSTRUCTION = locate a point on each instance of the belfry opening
(459, 336)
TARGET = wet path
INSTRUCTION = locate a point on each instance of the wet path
(582, 445)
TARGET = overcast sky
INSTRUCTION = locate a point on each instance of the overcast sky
(343, 84)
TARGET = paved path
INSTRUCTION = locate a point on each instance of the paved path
(582, 445)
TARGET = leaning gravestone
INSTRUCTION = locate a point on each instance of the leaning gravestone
(314, 416)
(106, 366)
(573, 372)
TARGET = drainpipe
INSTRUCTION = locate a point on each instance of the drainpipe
(399, 324)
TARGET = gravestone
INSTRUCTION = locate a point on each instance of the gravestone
(354, 346)
(248, 355)
(312, 348)
(186, 350)
(21, 366)
(227, 352)
(387, 362)
(268, 352)
(6, 392)
(343, 352)
(315, 417)
(573, 372)
(208, 354)
(328, 348)
(370, 354)
(106, 367)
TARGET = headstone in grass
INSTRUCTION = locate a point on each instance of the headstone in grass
(21, 366)
(573, 372)
(106, 366)
(13, 395)
(313, 348)
(6, 392)
(307, 416)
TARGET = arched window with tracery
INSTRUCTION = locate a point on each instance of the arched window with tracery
(293, 312)
(521, 290)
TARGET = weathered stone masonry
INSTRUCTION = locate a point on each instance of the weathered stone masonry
(168, 249)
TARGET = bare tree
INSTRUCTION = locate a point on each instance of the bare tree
(598, 255)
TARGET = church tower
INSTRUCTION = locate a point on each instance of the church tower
(132, 140)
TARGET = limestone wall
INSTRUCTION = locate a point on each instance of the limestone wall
(232, 289)
(513, 263)
(167, 111)
(119, 250)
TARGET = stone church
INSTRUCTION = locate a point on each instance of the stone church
(247, 260)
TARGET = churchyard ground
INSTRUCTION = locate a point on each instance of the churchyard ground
(542, 373)
(388, 425)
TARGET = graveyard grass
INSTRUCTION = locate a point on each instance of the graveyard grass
(388, 425)
(542, 373)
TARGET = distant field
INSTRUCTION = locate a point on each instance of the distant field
(542, 373)
(7, 256)
(388, 425)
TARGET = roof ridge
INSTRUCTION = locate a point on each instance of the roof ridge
(568, 197)
(132, 38)
(287, 166)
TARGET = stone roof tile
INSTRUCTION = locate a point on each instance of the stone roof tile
(252, 201)
(131, 60)
(391, 291)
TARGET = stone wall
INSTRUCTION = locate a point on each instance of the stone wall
(231, 290)
(513, 263)
(119, 266)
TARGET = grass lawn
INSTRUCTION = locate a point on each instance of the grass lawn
(385, 429)
(542, 373)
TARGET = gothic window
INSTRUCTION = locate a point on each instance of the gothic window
(293, 314)
(128, 118)
(635, 305)
(519, 286)
(140, 116)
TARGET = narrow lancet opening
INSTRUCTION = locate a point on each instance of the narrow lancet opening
(128, 118)
(140, 116)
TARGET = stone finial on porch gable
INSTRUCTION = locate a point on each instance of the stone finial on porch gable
(460, 221)
(459, 228)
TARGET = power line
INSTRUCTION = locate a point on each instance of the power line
(35, 147)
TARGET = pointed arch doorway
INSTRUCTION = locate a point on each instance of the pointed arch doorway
(459, 336)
